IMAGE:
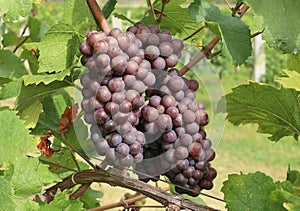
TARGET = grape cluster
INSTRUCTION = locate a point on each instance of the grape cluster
(140, 108)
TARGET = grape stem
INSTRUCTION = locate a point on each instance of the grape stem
(98, 15)
(206, 50)
(98, 175)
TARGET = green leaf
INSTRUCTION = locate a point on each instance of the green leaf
(89, 198)
(6, 192)
(63, 158)
(27, 176)
(280, 32)
(54, 105)
(294, 177)
(13, 132)
(10, 65)
(32, 94)
(10, 89)
(109, 7)
(249, 192)
(26, 204)
(124, 18)
(45, 78)
(58, 49)
(294, 62)
(78, 15)
(234, 33)
(10, 39)
(287, 200)
(14, 9)
(276, 111)
(62, 202)
(31, 58)
(37, 29)
(176, 19)
(291, 79)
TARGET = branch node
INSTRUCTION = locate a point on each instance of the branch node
(73, 179)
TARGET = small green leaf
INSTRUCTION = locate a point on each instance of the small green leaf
(286, 199)
(78, 14)
(276, 111)
(291, 79)
(234, 33)
(62, 202)
(54, 105)
(33, 93)
(109, 7)
(58, 49)
(294, 177)
(45, 78)
(294, 62)
(10, 65)
(10, 39)
(89, 198)
(37, 29)
(13, 132)
(26, 204)
(124, 18)
(63, 158)
(280, 32)
(10, 89)
(31, 58)
(14, 9)
(249, 192)
(176, 18)
(27, 176)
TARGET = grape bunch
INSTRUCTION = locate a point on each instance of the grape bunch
(140, 109)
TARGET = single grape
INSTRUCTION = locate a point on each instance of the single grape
(119, 64)
(181, 152)
(159, 64)
(100, 116)
(122, 150)
(181, 179)
(172, 60)
(166, 49)
(152, 52)
(114, 140)
(103, 94)
(182, 164)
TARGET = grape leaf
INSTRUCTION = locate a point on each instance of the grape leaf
(10, 89)
(249, 192)
(234, 33)
(10, 39)
(294, 177)
(27, 176)
(62, 202)
(6, 192)
(176, 18)
(109, 7)
(124, 18)
(37, 29)
(89, 198)
(45, 78)
(78, 15)
(11, 67)
(58, 49)
(35, 93)
(294, 62)
(26, 204)
(31, 57)
(291, 79)
(63, 158)
(276, 111)
(53, 106)
(14, 9)
(286, 199)
(280, 32)
(13, 132)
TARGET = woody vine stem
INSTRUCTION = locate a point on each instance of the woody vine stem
(86, 177)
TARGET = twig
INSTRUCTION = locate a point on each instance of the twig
(121, 203)
(157, 194)
(77, 151)
(193, 34)
(257, 33)
(161, 11)
(98, 15)
(206, 50)
(152, 10)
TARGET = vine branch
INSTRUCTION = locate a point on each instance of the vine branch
(98, 15)
(88, 176)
